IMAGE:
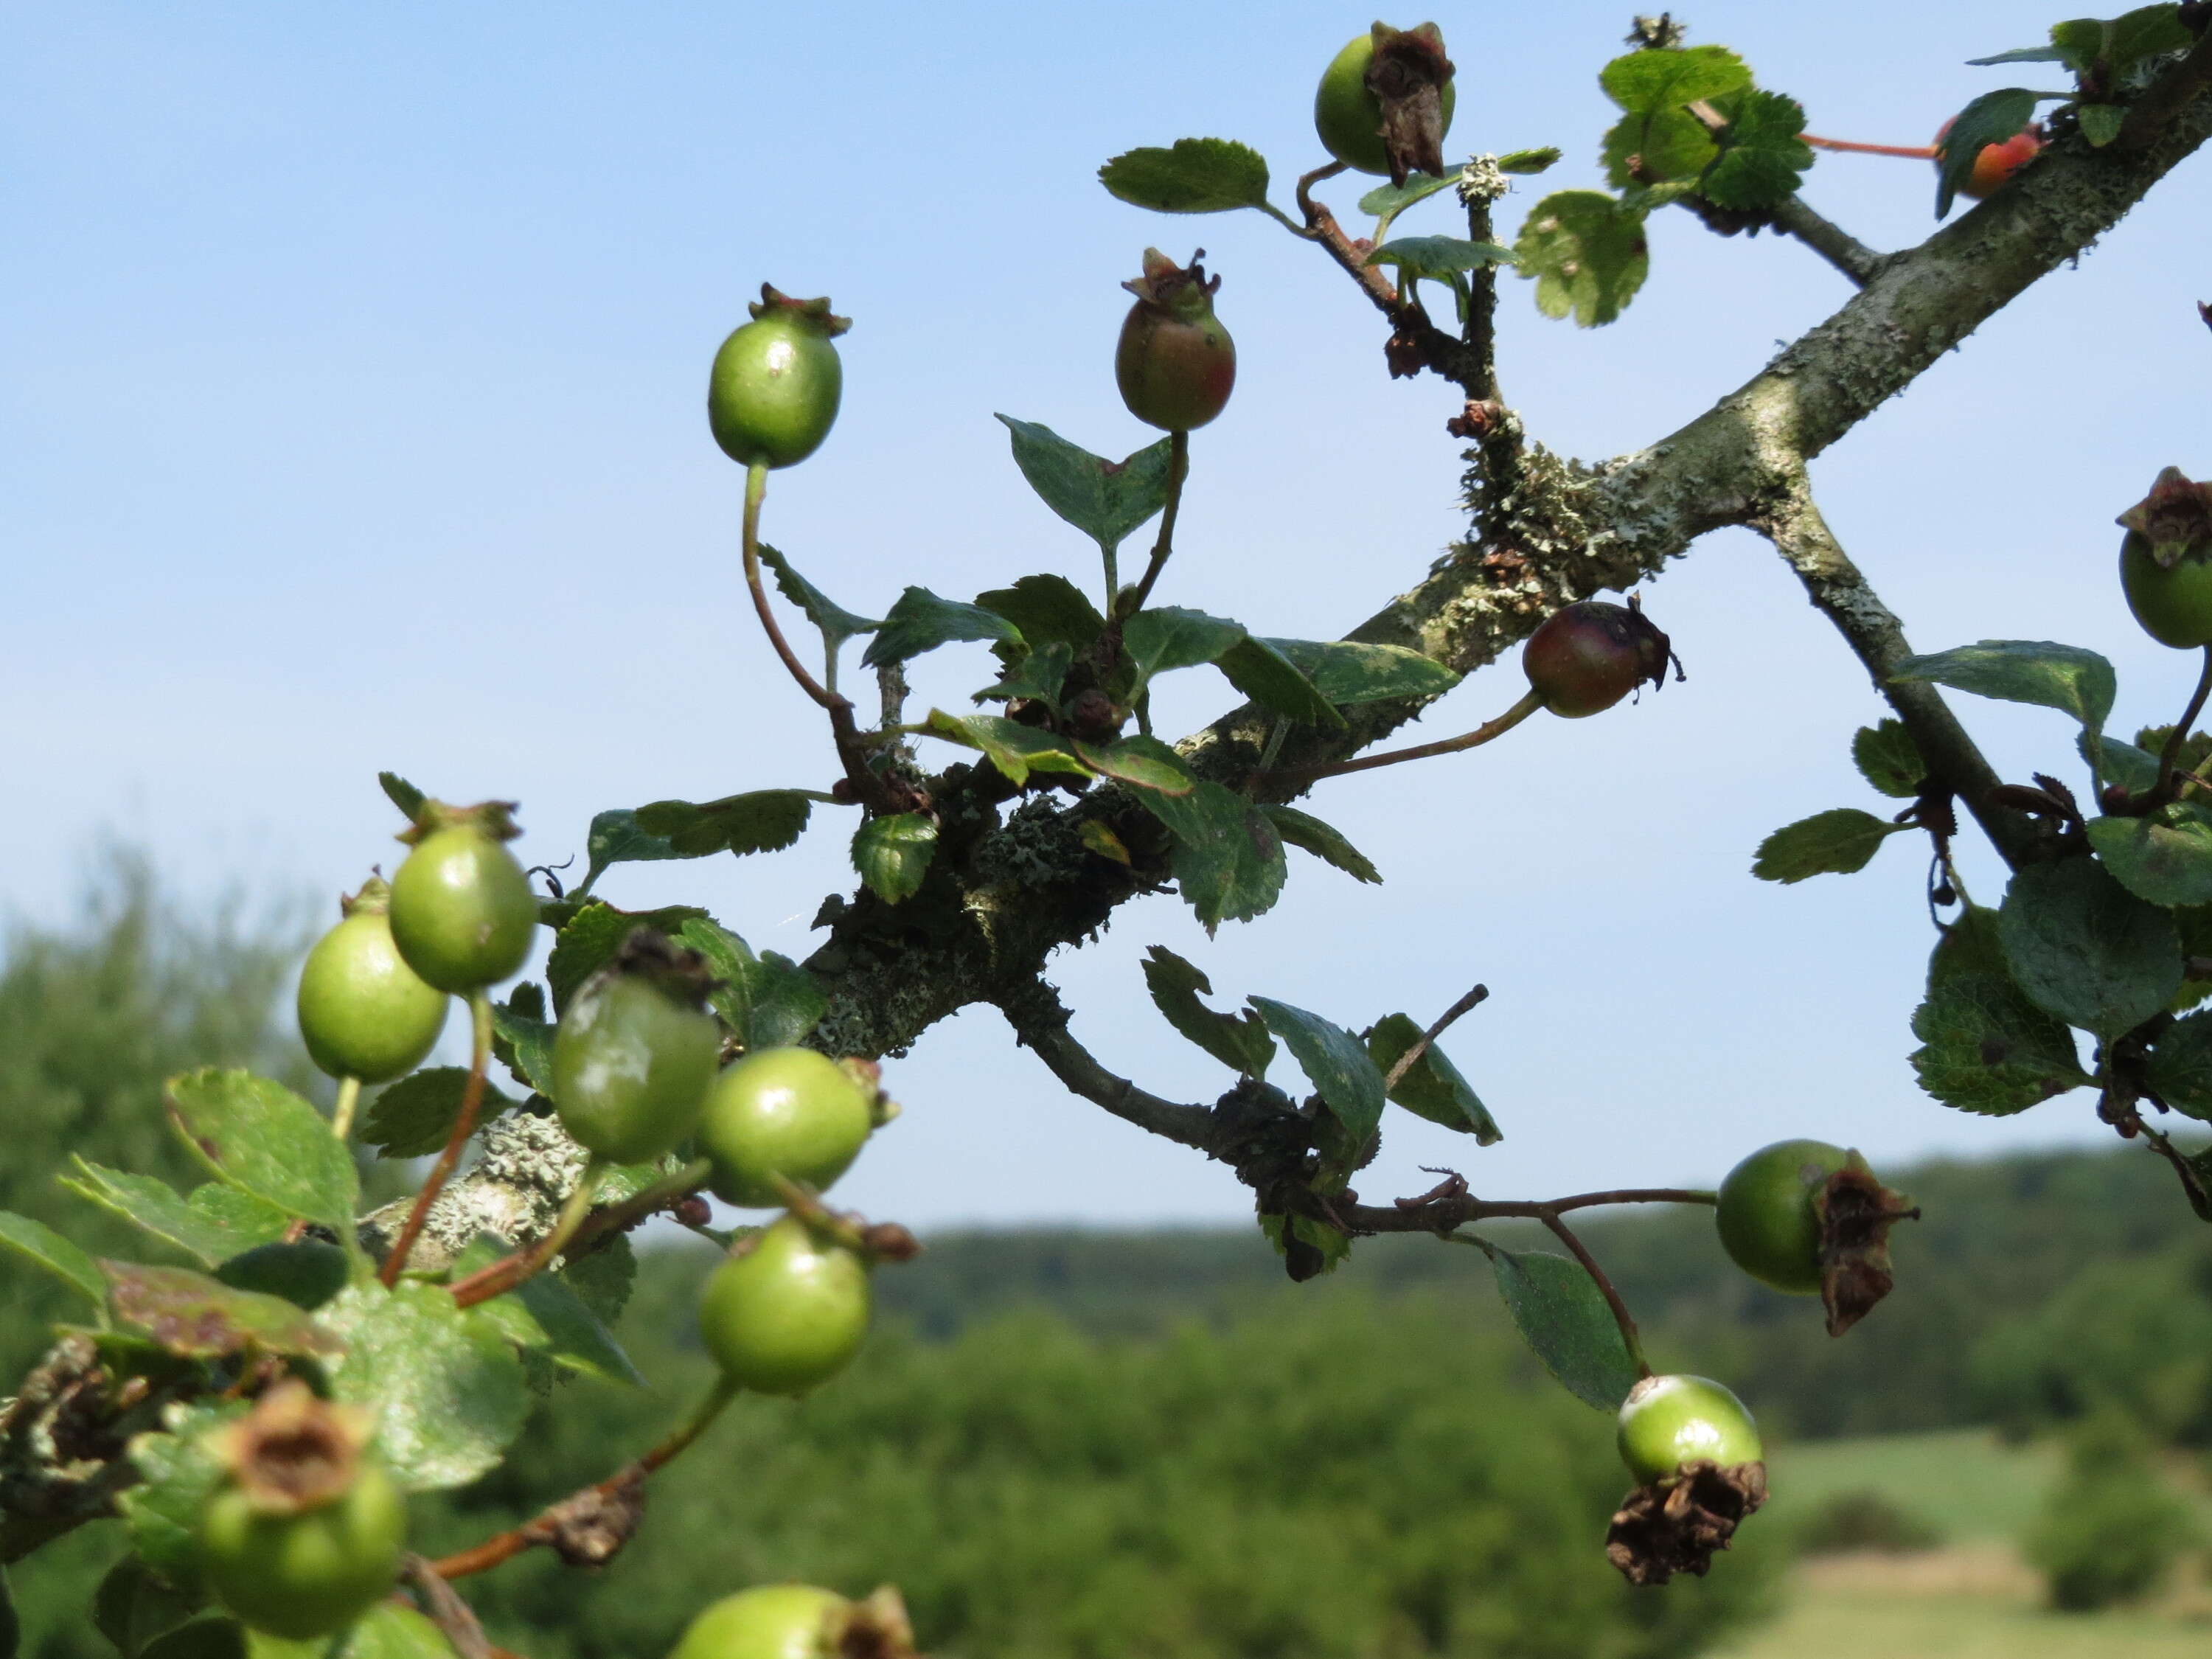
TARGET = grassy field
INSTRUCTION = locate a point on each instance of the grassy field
(1973, 1598)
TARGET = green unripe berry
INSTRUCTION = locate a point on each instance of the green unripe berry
(306, 1273)
(774, 1621)
(306, 1533)
(635, 1053)
(773, 394)
(1175, 364)
(788, 1112)
(363, 1011)
(1766, 1216)
(463, 914)
(1348, 117)
(1669, 1421)
(2173, 605)
(789, 1313)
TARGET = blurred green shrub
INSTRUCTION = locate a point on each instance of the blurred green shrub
(2110, 1530)
(1865, 1521)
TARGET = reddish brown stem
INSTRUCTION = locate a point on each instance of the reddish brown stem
(1850, 146)
(496, 1278)
(1621, 1317)
(464, 1125)
(1302, 775)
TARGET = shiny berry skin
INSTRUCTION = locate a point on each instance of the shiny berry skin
(773, 394)
(1996, 163)
(787, 1112)
(1669, 1421)
(2174, 605)
(1175, 364)
(774, 1621)
(789, 1313)
(307, 1574)
(1591, 654)
(1767, 1217)
(1348, 118)
(463, 914)
(631, 1067)
(363, 1011)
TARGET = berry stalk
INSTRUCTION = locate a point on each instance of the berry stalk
(464, 1124)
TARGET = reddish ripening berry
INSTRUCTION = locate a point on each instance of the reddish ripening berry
(1592, 655)
(1996, 163)
(776, 382)
(1175, 364)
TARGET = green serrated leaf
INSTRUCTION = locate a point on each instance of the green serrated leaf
(1837, 841)
(41, 1245)
(1525, 162)
(2082, 946)
(1587, 254)
(1105, 500)
(922, 621)
(1323, 840)
(402, 794)
(2063, 677)
(2022, 55)
(260, 1138)
(415, 1115)
(544, 1314)
(445, 1392)
(1562, 1314)
(2101, 123)
(1346, 673)
(1140, 762)
(837, 624)
(1040, 677)
(1239, 1041)
(2179, 1071)
(1888, 759)
(1168, 637)
(2164, 857)
(522, 1037)
(590, 939)
(1647, 80)
(1388, 201)
(215, 1223)
(769, 1001)
(1441, 258)
(190, 1314)
(892, 853)
(1335, 1063)
(1661, 146)
(1432, 1087)
(1016, 750)
(614, 838)
(1762, 156)
(1051, 610)
(1228, 858)
(178, 1474)
(756, 820)
(1992, 119)
(1193, 175)
(1987, 1050)
(134, 1604)
(1271, 679)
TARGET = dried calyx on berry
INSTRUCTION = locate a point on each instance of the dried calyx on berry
(2166, 561)
(1407, 75)
(2175, 518)
(293, 1452)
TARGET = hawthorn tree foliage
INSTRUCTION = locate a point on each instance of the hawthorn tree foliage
(254, 1417)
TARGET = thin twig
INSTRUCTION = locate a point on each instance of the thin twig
(1412, 1057)
(1621, 1316)
(2169, 756)
(464, 1125)
(455, 1619)
(1850, 146)
(1178, 470)
(1793, 217)
(1040, 1022)
(496, 1278)
(1300, 776)
(545, 1528)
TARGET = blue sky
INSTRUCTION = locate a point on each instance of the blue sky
(353, 420)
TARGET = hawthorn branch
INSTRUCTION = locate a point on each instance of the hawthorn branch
(1040, 1021)
(1793, 216)
(1842, 593)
